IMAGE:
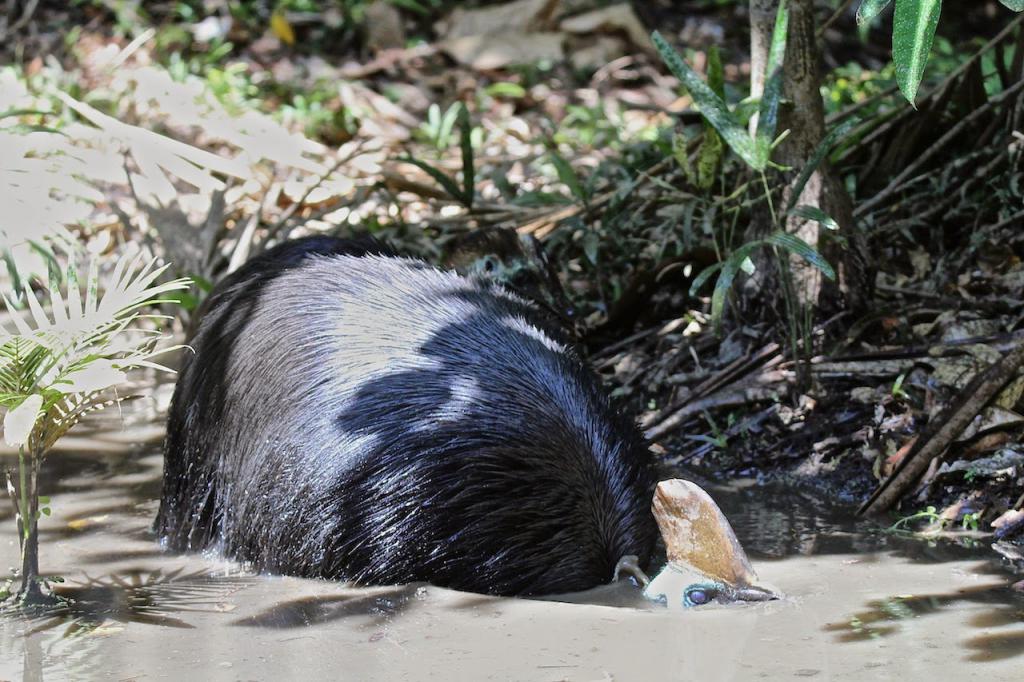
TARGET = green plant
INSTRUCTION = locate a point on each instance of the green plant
(439, 128)
(755, 151)
(897, 387)
(913, 30)
(59, 365)
(719, 438)
(929, 514)
(971, 521)
(467, 192)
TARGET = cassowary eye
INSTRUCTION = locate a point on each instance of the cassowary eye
(696, 596)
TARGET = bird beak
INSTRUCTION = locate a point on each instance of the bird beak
(754, 593)
(699, 539)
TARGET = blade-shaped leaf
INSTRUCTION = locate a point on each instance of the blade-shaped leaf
(446, 182)
(74, 294)
(820, 152)
(96, 375)
(711, 106)
(730, 268)
(913, 30)
(794, 244)
(816, 214)
(12, 271)
(704, 276)
(38, 314)
(716, 72)
(568, 176)
(768, 117)
(468, 169)
(19, 421)
(19, 323)
(869, 9)
(777, 50)
(92, 287)
(1015, 5)
(768, 109)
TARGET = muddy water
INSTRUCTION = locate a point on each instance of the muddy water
(860, 604)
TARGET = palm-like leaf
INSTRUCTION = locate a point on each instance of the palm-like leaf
(80, 344)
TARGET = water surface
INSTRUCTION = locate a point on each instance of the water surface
(860, 604)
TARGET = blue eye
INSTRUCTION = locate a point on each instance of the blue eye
(697, 596)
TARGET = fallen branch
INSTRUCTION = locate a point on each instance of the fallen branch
(943, 430)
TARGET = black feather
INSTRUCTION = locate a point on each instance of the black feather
(355, 415)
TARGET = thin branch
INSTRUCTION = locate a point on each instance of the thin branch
(941, 144)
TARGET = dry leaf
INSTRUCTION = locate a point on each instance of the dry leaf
(524, 16)
(495, 51)
(614, 19)
(280, 27)
(384, 30)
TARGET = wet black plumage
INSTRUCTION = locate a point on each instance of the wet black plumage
(356, 415)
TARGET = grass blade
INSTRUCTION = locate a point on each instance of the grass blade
(446, 182)
(468, 169)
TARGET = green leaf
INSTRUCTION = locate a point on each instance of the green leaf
(777, 50)
(708, 158)
(9, 113)
(816, 214)
(568, 176)
(447, 124)
(506, 89)
(716, 73)
(733, 264)
(679, 143)
(13, 274)
(913, 29)
(1015, 5)
(703, 277)
(711, 106)
(768, 118)
(768, 109)
(591, 246)
(793, 244)
(468, 169)
(820, 152)
(446, 182)
(869, 9)
(411, 5)
(710, 153)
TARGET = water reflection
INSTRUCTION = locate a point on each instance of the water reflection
(774, 523)
(1004, 611)
(380, 605)
(154, 597)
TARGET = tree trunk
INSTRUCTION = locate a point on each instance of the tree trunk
(31, 592)
(803, 114)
